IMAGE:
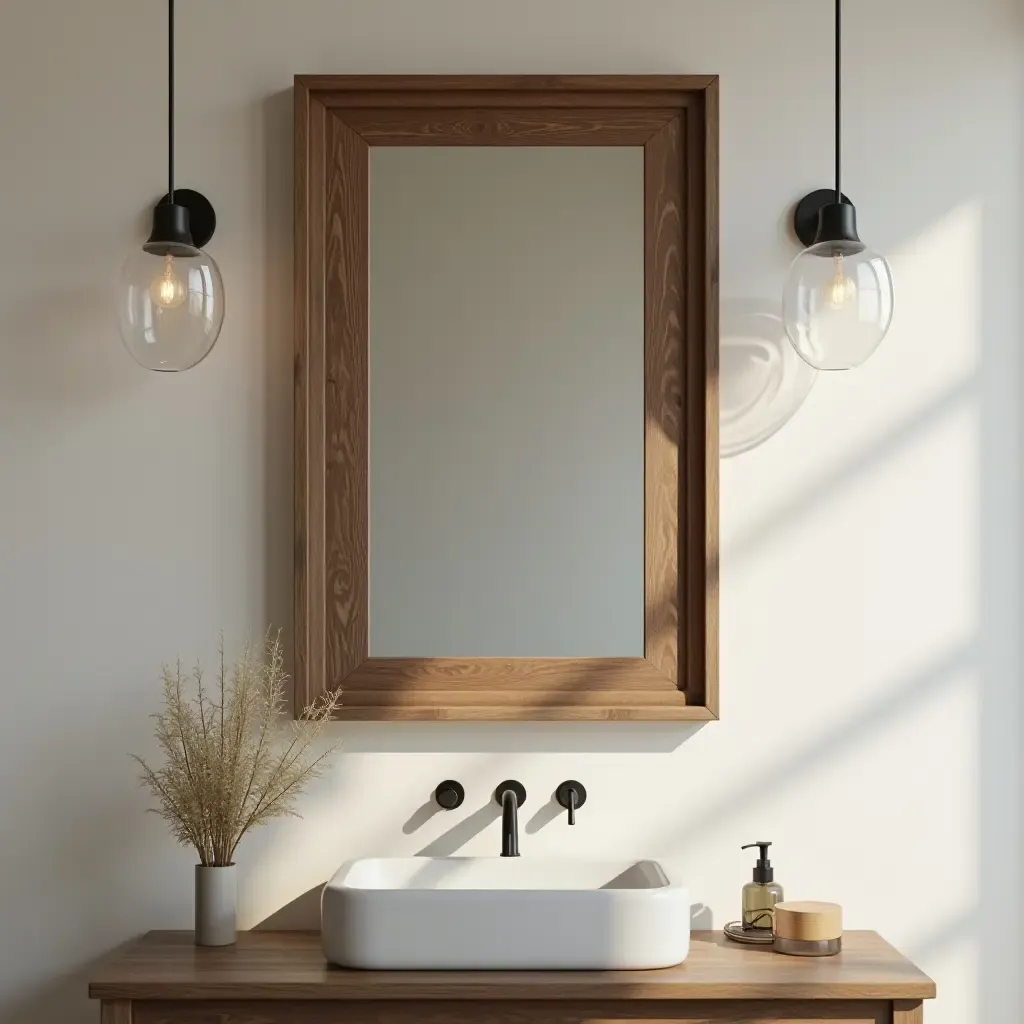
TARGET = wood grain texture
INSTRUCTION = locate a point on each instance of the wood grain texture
(663, 405)
(486, 127)
(697, 588)
(493, 99)
(677, 681)
(347, 402)
(584, 85)
(118, 1011)
(525, 1012)
(907, 1011)
(526, 675)
(290, 965)
(703, 216)
(365, 709)
(310, 547)
(483, 91)
(551, 689)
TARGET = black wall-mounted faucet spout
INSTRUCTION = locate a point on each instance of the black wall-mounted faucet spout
(511, 795)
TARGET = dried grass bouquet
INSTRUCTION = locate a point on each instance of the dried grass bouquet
(229, 763)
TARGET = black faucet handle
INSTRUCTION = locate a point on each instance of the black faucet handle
(571, 795)
(517, 789)
(450, 794)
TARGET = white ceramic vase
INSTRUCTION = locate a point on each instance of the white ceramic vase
(216, 901)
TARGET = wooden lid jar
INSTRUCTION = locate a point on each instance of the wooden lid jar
(808, 928)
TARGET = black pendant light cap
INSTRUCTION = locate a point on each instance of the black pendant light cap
(189, 221)
(837, 226)
(819, 218)
(171, 234)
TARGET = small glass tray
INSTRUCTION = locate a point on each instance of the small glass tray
(734, 930)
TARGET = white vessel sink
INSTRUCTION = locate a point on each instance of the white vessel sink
(504, 913)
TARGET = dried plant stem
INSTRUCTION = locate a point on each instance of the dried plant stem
(227, 766)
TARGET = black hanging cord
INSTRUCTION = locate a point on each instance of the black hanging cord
(839, 100)
(170, 101)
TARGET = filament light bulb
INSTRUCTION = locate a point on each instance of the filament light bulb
(168, 290)
(840, 292)
(837, 306)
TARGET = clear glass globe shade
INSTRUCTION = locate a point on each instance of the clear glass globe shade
(837, 304)
(171, 308)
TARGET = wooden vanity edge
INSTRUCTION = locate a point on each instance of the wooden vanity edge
(118, 980)
(451, 988)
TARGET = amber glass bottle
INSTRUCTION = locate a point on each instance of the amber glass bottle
(761, 894)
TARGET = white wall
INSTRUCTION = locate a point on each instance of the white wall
(871, 550)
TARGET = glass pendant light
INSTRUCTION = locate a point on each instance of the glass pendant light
(171, 295)
(838, 301)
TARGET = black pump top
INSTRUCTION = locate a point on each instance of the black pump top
(763, 871)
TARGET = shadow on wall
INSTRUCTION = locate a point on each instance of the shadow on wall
(530, 738)
(274, 147)
(462, 832)
(87, 841)
(763, 382)
(301, 913)
(62, 1000)
(903, 698)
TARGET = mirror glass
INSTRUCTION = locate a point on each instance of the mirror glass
(506, 402)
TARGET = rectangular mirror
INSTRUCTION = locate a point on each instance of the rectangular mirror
(506, 401)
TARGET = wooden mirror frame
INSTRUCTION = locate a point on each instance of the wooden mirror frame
(675, 119)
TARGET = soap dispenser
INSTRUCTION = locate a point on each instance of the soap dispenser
(761, 894)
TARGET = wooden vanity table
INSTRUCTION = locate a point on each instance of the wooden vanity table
(282, 978)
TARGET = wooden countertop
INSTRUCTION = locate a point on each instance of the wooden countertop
(291, 965)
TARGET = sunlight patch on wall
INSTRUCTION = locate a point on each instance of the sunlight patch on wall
(862, 585)
(927, 362)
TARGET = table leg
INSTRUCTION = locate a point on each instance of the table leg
(908, 1012)
(116, 1011)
